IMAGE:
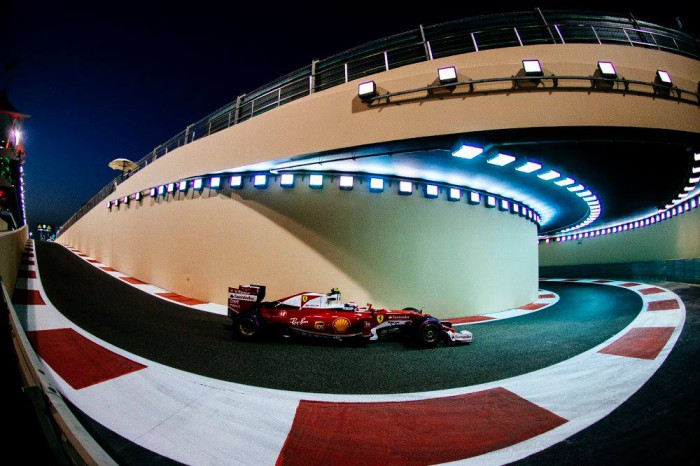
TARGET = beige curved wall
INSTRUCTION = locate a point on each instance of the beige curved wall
(676, 238)
(480, 262)
(12, 245)
(450, 258)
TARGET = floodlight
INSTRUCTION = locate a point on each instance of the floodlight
(532, 68)
(236, 181)
(215, 182)
(197, 184)
(696, 156)
(171, 187)
(663, 78)
(136, 196)
(590, 199)
(564, 182)
(447, 75)
(576, 188)
(607, 69)
(490, 201)
(405, 187)
(501, 160)
(346, 182)
(260, 181)
(125, 200)
(474, 198)
(109, 204)
(287, 180)
(455, 194)
(524, 211)
(431, 191)
(584, 193)
(529, 167)
(550, 175)
(161, 190)
(468, 152)
(515, 208)
(376, 185)
(152, 192)
(183, 185)
(367, 90)
(504, 205)
(694, 180)
(316, 181)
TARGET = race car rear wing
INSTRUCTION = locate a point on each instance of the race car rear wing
(244, 298)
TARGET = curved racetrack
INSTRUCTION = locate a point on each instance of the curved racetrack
(201, 343)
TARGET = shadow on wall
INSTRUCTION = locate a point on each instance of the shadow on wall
(432, 251)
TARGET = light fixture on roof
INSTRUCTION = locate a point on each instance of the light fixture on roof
(447, 75)
(515, 208)
(455, 194)
(550, 175)
(576, 188)
(236, 181)
(197, 184)
(215, 182)
(367, 90)
(565, 182)
(503, 205)
(405, 187)
(501, 160)
(182, 185)
(316, 181)
(490, 201)
(467, 152)
(287, 180)
(532, 68)
(431, 191)
(171, 187)
(529, 167)
(474, 198)
(346, 182)
(152, 192)
(607, 69)
(663, 78)
(260, 181)
(376, 185)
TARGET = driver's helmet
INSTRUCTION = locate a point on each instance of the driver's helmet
(334, 294)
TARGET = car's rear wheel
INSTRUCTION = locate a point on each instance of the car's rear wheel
(427, 332)
(249, 327)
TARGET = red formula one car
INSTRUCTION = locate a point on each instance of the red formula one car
(320, 315)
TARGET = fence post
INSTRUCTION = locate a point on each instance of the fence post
(312, 78)
(428, 55)
(237, 115)
(546, 25)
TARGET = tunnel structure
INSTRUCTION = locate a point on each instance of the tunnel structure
(431, 193)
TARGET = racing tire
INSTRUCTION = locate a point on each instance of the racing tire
(427, 332)
(249, 327)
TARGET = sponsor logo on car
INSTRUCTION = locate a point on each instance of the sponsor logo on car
(380, 318)
(296, 321)
(318, 325)
(398, 317)
(341, 324)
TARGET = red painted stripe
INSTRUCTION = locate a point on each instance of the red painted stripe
(93, 261)
(469, 319)
(547, 296)
(571, 280)
(26, 274)
(630, 284)
(133, 281)
(640, 342)
(665, 305)
(181, 299)
(27, 262)
(108, 269)
(82, 255)
(533, 306)
(79, 361)
(414, 432)
(603, 281)
(27, 297)
(651, 290)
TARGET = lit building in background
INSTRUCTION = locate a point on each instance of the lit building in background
(12, 212)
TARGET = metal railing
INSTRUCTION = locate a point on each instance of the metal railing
(419, 45)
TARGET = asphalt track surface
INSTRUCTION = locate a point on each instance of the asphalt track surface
(201, 343)
(659, 424)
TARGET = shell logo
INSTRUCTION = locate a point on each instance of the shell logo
(341, 324)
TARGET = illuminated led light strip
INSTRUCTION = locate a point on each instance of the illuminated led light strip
(667, 213)
(376, 184)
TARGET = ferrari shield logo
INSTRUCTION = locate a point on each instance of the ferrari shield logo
(304, 299)
(380, 318)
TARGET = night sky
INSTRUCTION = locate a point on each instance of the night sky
(103, 80)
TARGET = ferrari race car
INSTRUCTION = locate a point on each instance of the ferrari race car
(320, 315)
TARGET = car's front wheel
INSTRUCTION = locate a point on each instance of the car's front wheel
(427, 332)
(249, 327)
